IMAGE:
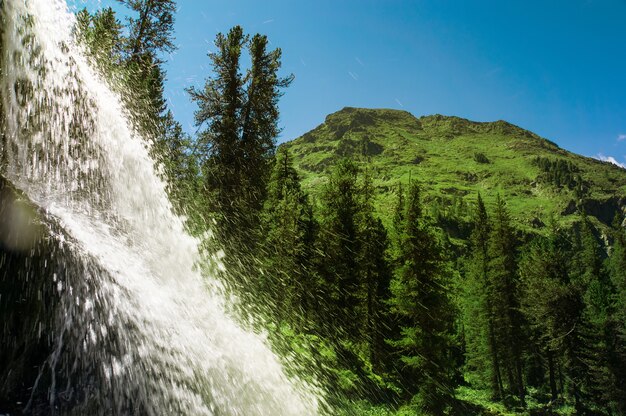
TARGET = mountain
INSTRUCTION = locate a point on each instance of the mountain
(454, 159)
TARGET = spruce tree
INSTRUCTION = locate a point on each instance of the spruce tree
(375, 274)
(289, 235)
(504, 299)
(617, 272)
(420, 300)
(174, 148)
(240, 112)
(101, 33)
(546, 300)
(150, 35)
(151, 29)
(135, 59)
(341, 243)
(260, 116)
(482, 349)
(598, 384)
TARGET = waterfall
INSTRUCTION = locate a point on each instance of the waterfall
(140, 327)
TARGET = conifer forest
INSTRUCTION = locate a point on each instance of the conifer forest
(380, 264)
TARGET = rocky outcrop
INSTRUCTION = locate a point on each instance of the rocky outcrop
(605, 210)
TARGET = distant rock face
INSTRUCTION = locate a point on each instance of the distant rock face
(605, 210)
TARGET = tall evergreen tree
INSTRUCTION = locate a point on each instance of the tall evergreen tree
(135, 59)
(174, 148)
(101, 33)
(289, 234)
(151, 30)
(482, 349)
(241, 117)
(260, 116)
(547, 301)
(598, 384)
(375, 274)
(617, 272)
(341, 206)
(421, 301)
(150, 35)
(504, 299)
(219, 106)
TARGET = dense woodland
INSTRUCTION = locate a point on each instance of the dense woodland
(391, 318)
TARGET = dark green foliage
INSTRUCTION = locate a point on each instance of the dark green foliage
(134, 66)
(504, 300)
(342, 205)
(552, 306)
(241, 117)
(617, 326)
(567, 300)
(220, 106)
(548, 324)
(175, 150)
(260, 115)
(420, 300)
(493, 327)
(375, 275)
(559, 172)
(151, 31)
(482, 352)
(289, 231)
(101, 33)
(481, 158)
(598, 387)
(134, 57)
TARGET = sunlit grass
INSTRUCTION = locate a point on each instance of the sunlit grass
(439, 152)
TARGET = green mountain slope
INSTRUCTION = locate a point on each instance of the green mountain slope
(454, 159)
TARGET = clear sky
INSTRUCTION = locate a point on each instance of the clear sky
(557, 68)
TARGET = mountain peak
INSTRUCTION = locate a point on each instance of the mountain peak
(454, 157)
(355, 115)
(437, 125)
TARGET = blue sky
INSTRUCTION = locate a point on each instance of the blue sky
(556, 68)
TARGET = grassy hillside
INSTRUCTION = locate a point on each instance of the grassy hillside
(455, 158)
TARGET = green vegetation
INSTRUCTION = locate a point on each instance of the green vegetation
(536, 313)
(453, 297)
(454, 159)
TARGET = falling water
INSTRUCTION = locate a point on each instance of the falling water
(147, 332)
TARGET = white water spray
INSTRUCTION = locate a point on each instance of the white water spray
(154, 330)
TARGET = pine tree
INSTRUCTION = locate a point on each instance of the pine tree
(151, 31)
(547, 301)
(617, 272)
(135, 60)
(420, 299)
(219, 106)
(260, 116)
(289, 229)
(482, 349)
(241, 117)
(150, 35)
(375, 274)
(174, 148)
(598, 385)
(397, 222)
(341, 206)
(504, 299)
(101, 33)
